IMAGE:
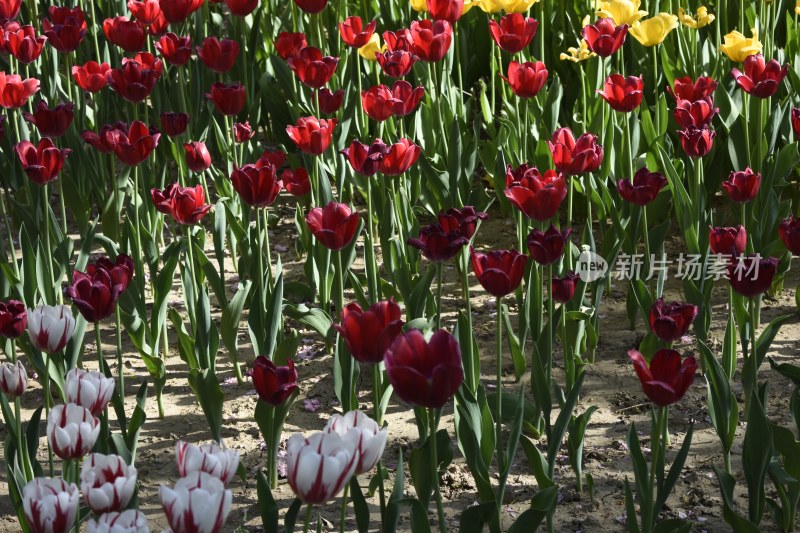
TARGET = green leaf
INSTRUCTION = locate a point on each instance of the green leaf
(756, 456)
(205, 385)
(291, 515)
(737, 522)
(473, 518)
(267, 505)
(542, 503)
(360, 506)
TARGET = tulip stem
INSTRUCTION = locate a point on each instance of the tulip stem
(47, 403)
(473, 365)
(343, 511)
(499, 384)
(120, 364)
(433, 417)
(746, 123)
(10, 232)
(377, 390)
(48, 249)
(655, 91)
(646, 238)
(372, 266)
(307, 522)
(658, 438)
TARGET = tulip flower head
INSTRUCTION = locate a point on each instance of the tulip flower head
(318, 467)
(526, 79)
(621, 11)
(371, 48)
(312, 135)
(653, 31)
(9, 9)
(13, 379)
(697, 142)
(365, 159)
(91, 390)
(742, 186)
(738, 47)
(175, 50)
(64, 28)
(643, 188)
(369, 333)
(13, 318)
(229, 99)
(218, 55)
(575, 157)
(274, 384)
(400, 157)
(212, 459)
(438, 244)
(431, 39)
(50, 327)
(563, 288)
(311, 6)
(187, 205)
(499, 271)
(667, 378)
(464, 220)
(198, 158)
(130, 521)
(258, 185)
(697, 113)
(547, 247)
(288, 44)
(334, 225)
(796, 121)
(701, 19)
(95, 292)
(51, 122)
(135, 79)
(397, 63)
(72, 430)
(686, 88)
(329, 101)
(727, 241)
(50, 505)
(243, 132)
(370, 438)
(174, 124)
(312, 68)
(514, 32)
(789, 232)
(126, 33)
(354, 33)
(107, 483)
(576, 55)
(146, 12)
(91, 76)
(296, 182)
(535, 194)
(447, 10)
(760, 79)
(176, 11)
(604, 37)
(42, 163)
(621, 93)
(670, 321)
(199, 503)
(751, 275)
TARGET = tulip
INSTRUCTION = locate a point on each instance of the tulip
(311, 6)
(563, 288)
(514, 32)
(243, 132)
(431, 39)
(369, 333)
(378, 102)
(13, 379)
(623, 94)
(145, 11)
(13, 318)
(219, 462)
(424, 374)
(509, 6)
(334, 225)
(751, 275)
(41, 163)
(621, 11)
(107, 139)
(698, 113)
(147, 61)
(136, 144)
(50, 327)
(405, 98)
(176, 11)
(91, 390)
(573, 157)
(9, 9)
(796, 121)
(174, 124)
(742, 186)
(365, 160)
(446, 10)
(228, 99)
(727, 241)
(547, 247)
(318, 467)
(95, 292)
(272, 157)
(354, 33)
(738, 47)
(370, 438)
(499, 271)
(175, 50)
(438, 244)
(72, 430)
(653, 31)
(643, 188)
(697, 142)
(198, 159)
(241, 8)
(50, 505)
(372, 47)
(159, 27)
(274, 384)
(536, 195)
(92, 76)
(24, 44)
(257, 185)
(107, 483)
(401, 156)
(199, 503)
(604, 37)
(312, 135)
(687, 89)
(670, 322)
(396, 64)
(667, 378)
(65, 28)
(789, 232)
(288, 45)
(329, 101)
(51, 122)
(296, 181)
(399, 40)
(463, 221)
(189, 205)
(701, 20)
(14, 91)
(218, 55)
(526, 79)
(312, 68)
(130, 521)
(127, 34)
(576, 55)
(760, 79)
(134, 81)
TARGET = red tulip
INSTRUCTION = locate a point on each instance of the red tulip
(228, 99)
(370, 333)
(289, 45)
(136, 144)
(274, 384)
(187, 205)
(751, 275)
(243, 132)
(399, 40)
(727, 241)
(311, 6)
(106, 140)
(742, 186)
(643, 188)
(378, 102)
(329, 101)
(447, 10)
(573, 157)
(547, 247)
(162, 199)
(698, 113)
(134, 81)
(623, 94)
(697, 142)
(176, 11)
(667, 378)
(241, 8)
(198, 159)
(396, 64)
(431, 39)
(296, 181)
(669, 322)
(401, 156)
(312, 68)
(9, 9)
(514, 32)
(41, 163)
(424, 374)
(14, 91)
(218, 55)
(95, 292)
(148, 61)
(159, 27)
(92, 76)
(563, 288)
(22, 43)
(334, 225)
(538, 196)
(175, 50)
(354, 33)
(526, 79)
(405, 98)
(127, 34)
(366, 160)
(789, 232)
(437, 243)
(65, 29)
(312, 135)
(174, 124)
(145, 11)
(13, 318)
(499, 271)
(272, 157)
(691, 90)
(257, 185)
(796, 121)
(51, 122)
(463, 221)
(760, 79)
(603, 37)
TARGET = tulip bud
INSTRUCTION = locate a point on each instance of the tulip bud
(499, 271)
(727, 241)
(564, 288)
(312, 68)
(334, 225)
(107, 482)
(243, 132)
(760, 79)
(319, 467)
(653, 31)
(574, 157)
(604, 37)
(796, 121)
(198, 158)
(752, 275)
(209, 458)
(13, 379)
(370, 438)
(288, 45)
(369, 333)
(51, 122)
(72, 430)
(667, 379)
(643, 188)
(16, 91)
(218, 55)
(742, 186)
(50, 327)
(174, 124)
(514, 32)
(437, 244)
(623, 94)
(670, 322)
(547, 247)
(198, 503)
(311, 135)
(789, 232)
(91, 390)
(537, 195)
(13, 318)
(526, 79)
(354, 33)
(130, 521)
(50, 505)
(274, 384)
(697, 142)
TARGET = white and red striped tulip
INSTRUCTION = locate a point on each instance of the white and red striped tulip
(72, 430)
(50, 505)
(370, 438)
(319, 466)
(209, 458)
(199, 503)
(107, 483)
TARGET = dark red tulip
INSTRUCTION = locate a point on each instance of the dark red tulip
(95, 292)
(399, 40)
(447, 10)
(537, 195)
(405, 98)
(274, 384)
(623, 94)
(162, 199)
(312, 135)
(370, 333)
(378, 102)
(145, 11)
(134, 81)
(727, 241)
(760, 79)
(431, 39)
(401, 156)
(603, 37)
(187, 205)
(789, 232)
(396, 64)
(107, 139)
(697, 142)
(65, 28)
(241, 8)
(643, 188)
(499, 271)
(670, 321)
(218, 55)
(127, 34)
(174, 49)
(365, 159)
(437, 243)
(526, 79)
(334, 225)
(198, 158)
(272, 157)
(159, 27)
(289, 45)
(796, 121)
(698, 113)
(14, 91)
(174, 124)
(296, 181)
(51, 122)
(9, 9)
(311, 6)
(330, 101)
(243, 132)
(312, 68)
(13, 318)
(572, 157)
(514, 32)
(23, 43)
(354, 33)
(228, 99)
(424, 374)
(136, 144)
(667, 378)
(547, 247)
(751, 275)
(742, 186)
(41, 163)
(688, 89)
(563, 288)
(257, 185)
(92, 76)
(176, 11)
(463, 221)
(148, 61)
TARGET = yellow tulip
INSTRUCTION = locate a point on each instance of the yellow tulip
(797, 8)
(738, 47)
(576, 55)
(654, 30)
(373, 45)
(490, 6)
(517, 6)
(621, 11)
(702, 18)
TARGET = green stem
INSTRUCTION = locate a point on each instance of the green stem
(646, 238)
(433, 417)
(372, 266)
(47, 404)
(473, 376)
(120, 363)
(439, 295)
(746, 123)
(499, 384)
(655, 91)
(377, 389)
(657, 446)
(307, 521)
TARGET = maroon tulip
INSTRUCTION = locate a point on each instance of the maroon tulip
(727, 241)
(174, 124)
(437, 243)
(378, 102)
(274, 384)
(330, 101)
(603, 37)
(312, 135)
(51, 122)
(136, 144)
(313, 69)
(106, 140)
(698, 113)
(643, 188)
(95, 292)
(463, 221)
(134, 81)
(243, 132)
(13, 318)
(258, 185)
(218, 55)
(159, 27)
(174, 49)
(365, 159)
(431, 39)
(289, 45)
(65, 29)
(127, 34)
(446, 10)
(669, 322)
(401, 156)
(399, 40)
(198, 159)
(272, 157)
(241, 8)
(228, 99)
(742, 186)
(187, 205)
(354, 33)
(396, 64)
(667, 378)
(162, 199)
(499, 271)
(538, 196)
(148, 61)
(697, 142)
(405, 98)
(796, 121)
(23, 43)
(623, 94)
(92, 76)
(563, 288)
(688, 89)
(789, 232)
(370, 333)
(14, 91)
(296, 181)
(176, 11)
(334, 225)
(145, 11)
(573, 157)
(760, 79)
(9, 9)
(547, 247)
(514, 32)
(526, 79)
(424, 374)
(41, 163)
(751, 275)
(311, 6)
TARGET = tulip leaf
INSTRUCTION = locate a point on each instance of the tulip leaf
(640, 472)
(537, 462)
(737, 522)
(314, 318)
(291, 515)
(359, 505)
(517, 357)
(266, 503)
(675, 468)
(756, 456)
(560, 427)
(473, 518)
(543, 503)
(205, 385)
(722, 407)
(767, 336)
